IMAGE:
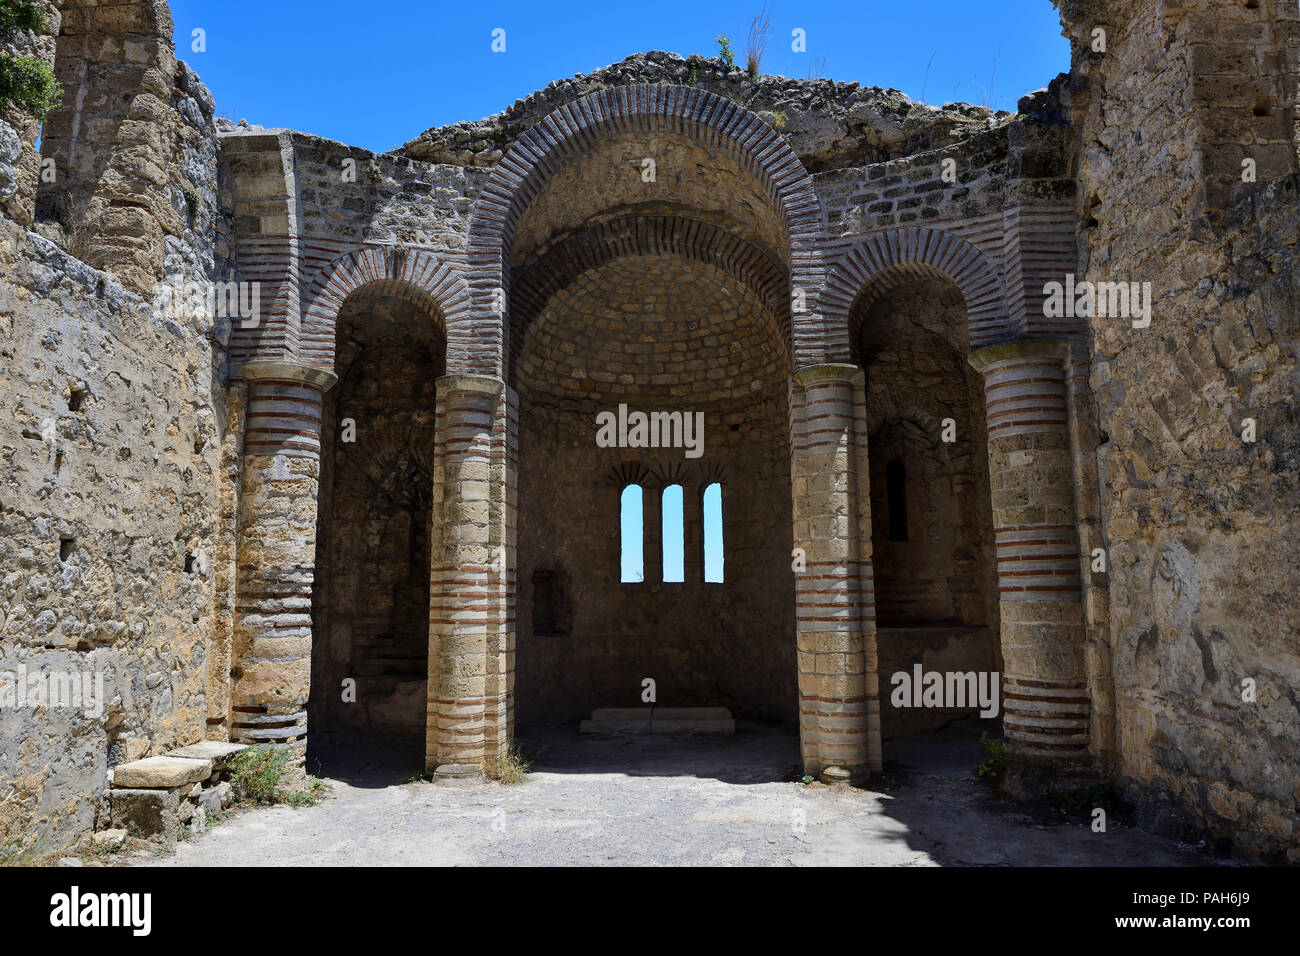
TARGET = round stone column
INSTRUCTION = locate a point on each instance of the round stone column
(839, 705)
(1031, 475)
(472, 565)
(276, 553)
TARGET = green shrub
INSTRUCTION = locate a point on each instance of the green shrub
(725, 53)
(693, 66)
(25, 82)
(16, 15)
(996, 759)
(29, 84)
(255, 773)
(307, 798)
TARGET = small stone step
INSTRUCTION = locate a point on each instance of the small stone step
(617, 720)
(155, 773)
(659, 720)
(217, 751)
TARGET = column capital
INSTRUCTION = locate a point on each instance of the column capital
(486, 384)
(830, 372)
(260, 370)
(991, 355)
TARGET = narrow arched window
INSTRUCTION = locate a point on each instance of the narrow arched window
(711, 507)
(632, 526)
(674, 534)
(896, 499)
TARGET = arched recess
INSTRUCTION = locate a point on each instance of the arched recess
(414, 275)
(372, 580)
(935, 590)
(882, 261)
(576, 127)
(592, 248)
(670, 327)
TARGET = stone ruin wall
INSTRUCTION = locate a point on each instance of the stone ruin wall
(114, 490)
(1200, 527)
(1208, 550)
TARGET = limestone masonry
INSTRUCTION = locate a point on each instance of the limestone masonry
(299, 441)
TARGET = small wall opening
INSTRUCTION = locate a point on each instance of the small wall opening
(714, 557)
(673, 517)
(632, 535)
(552, 615)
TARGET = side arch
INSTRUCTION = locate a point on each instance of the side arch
(882, 261)
(575, 128)
(416, 275)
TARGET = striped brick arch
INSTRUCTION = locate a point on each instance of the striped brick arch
(575, 128)
(592, 248)
(416, 275)
(873, 266)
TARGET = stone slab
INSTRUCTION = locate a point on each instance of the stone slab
(611, 721)
(659, 720)
(160, 772)
(661, 725)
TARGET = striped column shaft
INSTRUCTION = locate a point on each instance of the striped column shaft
(861, 470)
(276, 553)
(471, 614)
(499, 712)
(1031, 473)
(833, 610)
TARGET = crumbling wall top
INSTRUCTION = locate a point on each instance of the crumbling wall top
(829, 125)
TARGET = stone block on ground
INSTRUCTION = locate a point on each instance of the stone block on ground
(144, 813)
(617, 720)
(215, 799)
(659, 720)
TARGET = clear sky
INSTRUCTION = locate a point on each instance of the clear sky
(377, 73)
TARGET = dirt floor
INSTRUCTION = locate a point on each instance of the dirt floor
(671, 800)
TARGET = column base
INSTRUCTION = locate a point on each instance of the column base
(837, 776)
(459, 775)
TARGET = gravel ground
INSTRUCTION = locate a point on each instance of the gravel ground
(670, 801)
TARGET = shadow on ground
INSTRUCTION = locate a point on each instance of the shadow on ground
(668, 801)
(366, 763)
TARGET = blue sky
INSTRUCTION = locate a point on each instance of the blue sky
(377, 73)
